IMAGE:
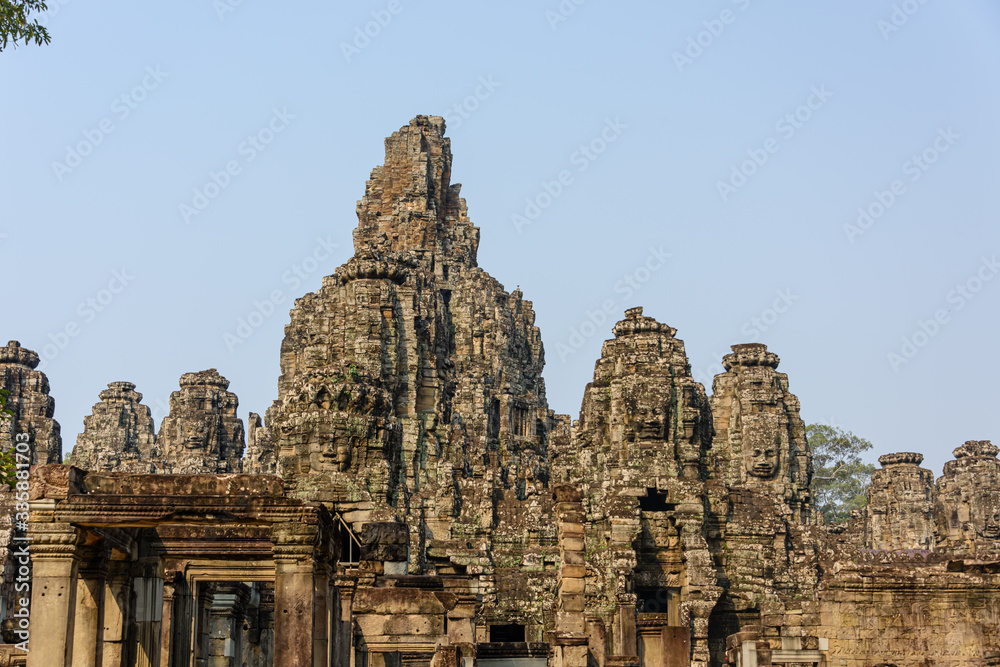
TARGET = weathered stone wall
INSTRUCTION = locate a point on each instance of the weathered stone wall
(910, 609)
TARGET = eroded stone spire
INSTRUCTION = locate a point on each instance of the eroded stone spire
(412, 378)
(410, 203)
(118, 436)
(30, 404)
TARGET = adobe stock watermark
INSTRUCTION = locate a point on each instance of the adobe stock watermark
(122, 108)
(562, 12)
(363, 35)
(899, 17)
(248, 149)
(265, 307)
(714, 28)
(223, 7)
(751, 330)
(19, 552)
(87, 311)
(454, 116)
(52, 8)
(958, 297)
(581, 158)
(915, 167)
(786, 126)
(626, 286)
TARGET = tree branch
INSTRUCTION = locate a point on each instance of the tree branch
(834, 475)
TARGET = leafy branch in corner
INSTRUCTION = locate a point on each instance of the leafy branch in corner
(14, 24)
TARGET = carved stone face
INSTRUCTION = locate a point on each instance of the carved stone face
(762, 461)
(761, 447)
(194, 434)
(649, 423)
(990, 525)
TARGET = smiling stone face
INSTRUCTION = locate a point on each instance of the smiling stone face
(991, 525)
(986, 517)
(762, 461)
(761, 447)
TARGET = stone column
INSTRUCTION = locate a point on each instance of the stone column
(625, 631)
(54, 561)
(203, 613)
(171, 592)
(294, 593)
(117, 596)
(343, 651)
(229, 607)
(181, 620)
(148, 596)
(88, 628)
(569, 639)
(321, 621)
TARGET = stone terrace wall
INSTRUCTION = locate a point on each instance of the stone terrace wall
(911, 609)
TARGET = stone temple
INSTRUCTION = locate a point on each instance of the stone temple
(409, 500)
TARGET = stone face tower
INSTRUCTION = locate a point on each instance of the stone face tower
(30, 403)
(202, 433)
(760, 439)
(900, 510)
(640, 453)
(968, 498)
(118, 436)
(411, 382)
(762, 459)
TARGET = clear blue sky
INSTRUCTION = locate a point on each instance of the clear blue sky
(829, 102)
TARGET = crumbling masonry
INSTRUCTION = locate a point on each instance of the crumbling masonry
(410, 500)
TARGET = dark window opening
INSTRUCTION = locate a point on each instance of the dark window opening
(350, 546)
(654, 501)
(507, 633)
(519, 420)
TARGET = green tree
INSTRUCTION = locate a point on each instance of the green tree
(14, 24)
(8, 467)
(840, 478)
(5, 412)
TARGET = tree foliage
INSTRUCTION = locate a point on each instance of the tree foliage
(14, 24)
(8, 467)
(5, 412)
(840, 478)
